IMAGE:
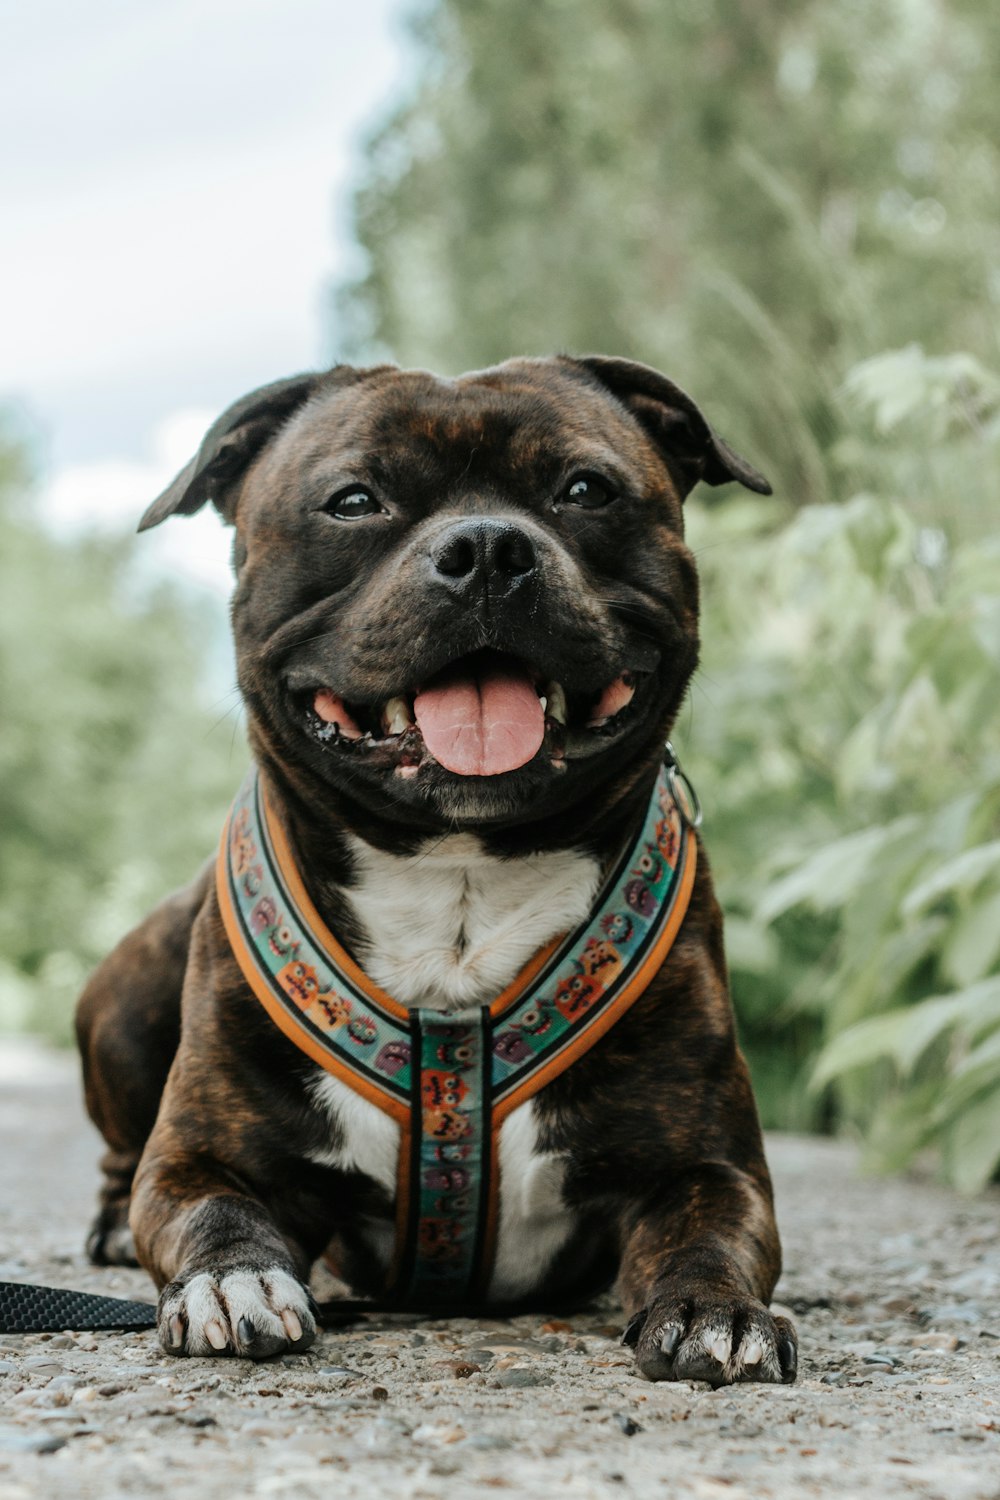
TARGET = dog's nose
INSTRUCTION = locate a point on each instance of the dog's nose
(483, 554)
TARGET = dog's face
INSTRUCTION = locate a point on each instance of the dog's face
(468, 601)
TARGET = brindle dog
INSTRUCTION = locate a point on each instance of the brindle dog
(394, 530)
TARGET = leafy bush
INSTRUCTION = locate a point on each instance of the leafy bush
(801, 200)
(113, 784)
(754, 198)
(848, 745)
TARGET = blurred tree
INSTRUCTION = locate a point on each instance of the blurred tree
(112, 787)
(753, 196)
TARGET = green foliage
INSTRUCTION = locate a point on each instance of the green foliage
(754, 198)
(849, 750)
(949, 392)
(792, 210)
(112, 784)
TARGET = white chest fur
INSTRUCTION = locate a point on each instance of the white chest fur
(449, 928)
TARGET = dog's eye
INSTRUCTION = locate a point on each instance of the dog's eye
(353, 504)
(588, 491)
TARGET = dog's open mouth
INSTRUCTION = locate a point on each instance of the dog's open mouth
(483, 715)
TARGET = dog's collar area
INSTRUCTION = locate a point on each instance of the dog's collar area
(451, 1079)
(681, 788)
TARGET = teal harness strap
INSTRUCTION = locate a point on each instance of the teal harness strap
(450, 1169)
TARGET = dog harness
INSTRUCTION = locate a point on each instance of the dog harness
(450, 1079)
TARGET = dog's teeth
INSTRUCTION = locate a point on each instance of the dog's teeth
(543, 701)
(396, 716)
(555, 701)
(333, 711)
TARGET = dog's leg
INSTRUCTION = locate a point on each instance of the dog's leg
(697, 1273)
(228, 1213)
(231, 1282)
(127, 1027)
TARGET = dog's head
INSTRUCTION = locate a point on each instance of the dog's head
(461, 601)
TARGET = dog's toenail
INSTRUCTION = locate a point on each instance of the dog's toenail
(634, 1328)
(216, 1334)
(292, 1325)
(719, 1348)
(753, 1352)
(669, 1340)
(246, 1331)
(176, 1331)
(789, 1359)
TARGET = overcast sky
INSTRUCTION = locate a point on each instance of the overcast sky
(173, 209)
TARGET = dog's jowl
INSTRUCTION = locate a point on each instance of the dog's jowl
(450, 1006)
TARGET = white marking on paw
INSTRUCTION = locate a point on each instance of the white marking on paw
(204, 1315)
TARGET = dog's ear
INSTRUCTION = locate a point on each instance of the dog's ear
(229, 446)
(690, 447)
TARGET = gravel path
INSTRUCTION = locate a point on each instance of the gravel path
(895, 1285)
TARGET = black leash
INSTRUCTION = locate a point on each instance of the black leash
(25, 1308)
(51, 1309)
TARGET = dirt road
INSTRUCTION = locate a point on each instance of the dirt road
(895, 1286)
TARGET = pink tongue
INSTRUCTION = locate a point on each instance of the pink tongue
(481, 725)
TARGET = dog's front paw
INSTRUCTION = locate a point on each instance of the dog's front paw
(718, 1340)
(250, 1314)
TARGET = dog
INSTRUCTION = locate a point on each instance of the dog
(465, 619)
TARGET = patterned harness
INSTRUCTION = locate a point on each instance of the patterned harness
(451, 1079)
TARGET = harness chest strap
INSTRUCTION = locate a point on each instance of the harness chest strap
(450, 1079)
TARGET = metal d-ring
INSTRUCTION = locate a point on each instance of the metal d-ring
(682, 788)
